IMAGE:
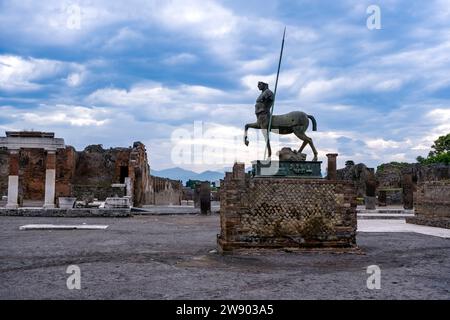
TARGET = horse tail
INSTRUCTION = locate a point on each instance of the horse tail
(314, 123)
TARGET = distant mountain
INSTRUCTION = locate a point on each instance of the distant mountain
(210, 176)
(184, 175)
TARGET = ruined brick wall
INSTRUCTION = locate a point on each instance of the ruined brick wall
(98, 168)
(142, 182)
(4, 171)
(432, 204)
(65, 171)
(166, 191)
(359, 174)
(93, 170)
(32, 174)
(390, 176)
(286, 212)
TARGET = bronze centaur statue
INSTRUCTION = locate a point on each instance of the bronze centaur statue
(295, 122)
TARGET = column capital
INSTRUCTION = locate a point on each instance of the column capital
(332, 155)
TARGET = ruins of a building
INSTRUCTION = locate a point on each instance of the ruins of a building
(36, 166)
(396, 182)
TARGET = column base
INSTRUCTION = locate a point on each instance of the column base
(49, 206)
(12, 206)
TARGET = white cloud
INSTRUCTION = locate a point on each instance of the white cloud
(17, 73)
(155, 101)
(24, 74)
(58, 115)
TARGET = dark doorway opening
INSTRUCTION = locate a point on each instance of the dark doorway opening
(123, 173)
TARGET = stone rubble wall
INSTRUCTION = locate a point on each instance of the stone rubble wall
(166, 191)
(286, 212)
(89, 174)
(432, 204)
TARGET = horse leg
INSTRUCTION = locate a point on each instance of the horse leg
(266, 138)
(254, 125)
(306, 140)
(303, 146)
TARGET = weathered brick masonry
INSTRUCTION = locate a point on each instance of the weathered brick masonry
(275, 212)
(432, 204)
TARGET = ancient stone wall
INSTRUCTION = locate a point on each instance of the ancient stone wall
(89, 174)
(359, 174)
(142, 182)
(88, 193)
(166, 191)
(4, 171)
(390, 175)
(285, 212)
(432, 204)
(65, 171)
(31, 174)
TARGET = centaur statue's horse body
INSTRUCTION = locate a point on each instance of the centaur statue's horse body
(295, 122)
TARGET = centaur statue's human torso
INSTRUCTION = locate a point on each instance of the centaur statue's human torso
(296, 122)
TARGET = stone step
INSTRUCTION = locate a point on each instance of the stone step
(384, 216)
(386, 211)
(33, 203)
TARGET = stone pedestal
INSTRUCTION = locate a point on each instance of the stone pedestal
(13, 180)
(50, 180)
(370, 202)
(285, 212)
(117, 203)
(292, 169)
(66, 202)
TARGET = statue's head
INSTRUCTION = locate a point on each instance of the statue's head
(262, 85)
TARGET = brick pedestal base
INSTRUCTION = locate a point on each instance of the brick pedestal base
(274, 212)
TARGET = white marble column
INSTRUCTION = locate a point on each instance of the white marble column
(13, 180)
(50, 179)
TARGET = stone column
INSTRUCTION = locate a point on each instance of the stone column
(13, 180)
(407, 190)
(332, 174)
(50, 179)
(371, 186)
(205, 198)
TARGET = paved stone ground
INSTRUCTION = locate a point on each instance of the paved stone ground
(169, 257)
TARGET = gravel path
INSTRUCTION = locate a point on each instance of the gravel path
(172, 257)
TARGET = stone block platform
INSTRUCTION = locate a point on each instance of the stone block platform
(71, 213)
(278, 212)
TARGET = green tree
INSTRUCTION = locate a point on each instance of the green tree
(441, 145)
(440, 152)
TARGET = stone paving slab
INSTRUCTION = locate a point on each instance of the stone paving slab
(383, 225)
(62, 227)
(69, 213)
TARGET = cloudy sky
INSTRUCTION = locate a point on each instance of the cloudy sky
(181, 76)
